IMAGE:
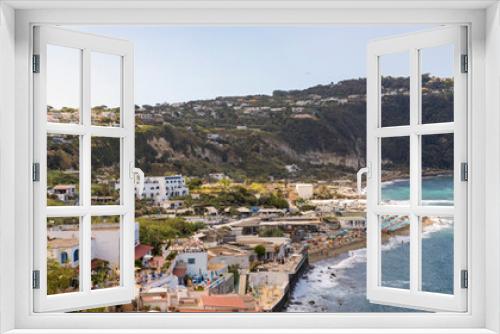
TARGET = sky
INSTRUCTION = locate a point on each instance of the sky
(176, 64)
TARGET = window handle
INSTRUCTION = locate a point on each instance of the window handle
(138, 179)
(359, 176)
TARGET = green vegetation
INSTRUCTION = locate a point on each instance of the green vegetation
(157, 232)
(324, 138)
(60, 278)
(101, 273)
(269, 232)
(329, 143)
(260, 250)
(235, 270)
(236, 196)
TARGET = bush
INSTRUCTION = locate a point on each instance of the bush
(260, 250)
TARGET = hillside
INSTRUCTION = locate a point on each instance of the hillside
(320, 130)
(318, 133)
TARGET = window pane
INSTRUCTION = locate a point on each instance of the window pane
(395, 89)
(63, 164)
(395, 254)
(437, 254)
(63, 84)
(437, 169)
(105, 252)
(395, 168)
(105, 89)
(105, 171)
(437, 84)
(63, 255)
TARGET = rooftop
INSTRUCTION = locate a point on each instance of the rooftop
(141, 250)
(63, 243)
(225, 301)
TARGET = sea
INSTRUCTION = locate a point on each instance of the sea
(339, 284)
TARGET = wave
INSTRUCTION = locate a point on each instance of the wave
(395, 242)
(395, 181)
(339, 284)
(438, 224)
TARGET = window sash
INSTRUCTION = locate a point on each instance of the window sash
(85, 297)
(414, 297)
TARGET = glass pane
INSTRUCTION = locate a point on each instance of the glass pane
(395, 170)
(395, 89)
(437, 84)
(63, 164)
(105, 171)
(105, 90)
(395, 254)
(437, 254)
(105, 252)
(63, 84)
(63, 255)
(437, 169)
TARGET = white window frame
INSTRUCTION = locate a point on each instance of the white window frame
(15, 231)
(411, 44)
(85, 297)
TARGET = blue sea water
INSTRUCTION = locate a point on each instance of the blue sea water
(435, 189)
(339, 284)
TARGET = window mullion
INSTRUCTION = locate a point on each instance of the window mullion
(85, 159)
(414, 170)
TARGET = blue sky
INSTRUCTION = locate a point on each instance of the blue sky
(174, 64)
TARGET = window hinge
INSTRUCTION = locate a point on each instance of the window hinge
(464, 171)
(36, 172)
(465, 63)
(36, 279)
(465, 279)
(36, 63)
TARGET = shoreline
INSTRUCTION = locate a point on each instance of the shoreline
(332, 253)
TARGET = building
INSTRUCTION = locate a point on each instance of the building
(352, 222)
(105, 243)
(217, 176)
(304, 190)
(228, 303)
(195, 262)
(293, 168)
(143, 253)
(64, 192)
(64, 251)
(163, 188)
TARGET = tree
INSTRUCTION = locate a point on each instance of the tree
(235, 270)
(260, 250)
(157, 232)
(101, 273)
(194, 183)
(60, 278)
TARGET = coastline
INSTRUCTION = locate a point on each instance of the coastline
(331, 253)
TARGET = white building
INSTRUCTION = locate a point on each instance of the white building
(217, 176)
(354, 222)
(196, 262)
(64, 250)
(162, 188)
(64, 192)
(304, 190)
